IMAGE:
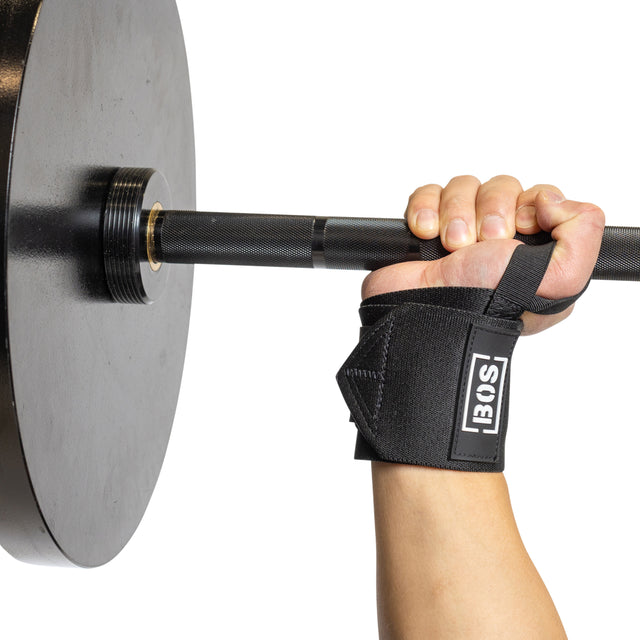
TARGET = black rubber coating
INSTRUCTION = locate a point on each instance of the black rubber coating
(188, 237)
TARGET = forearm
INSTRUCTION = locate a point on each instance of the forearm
(451, 563)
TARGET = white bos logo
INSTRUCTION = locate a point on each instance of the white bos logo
(483, 399)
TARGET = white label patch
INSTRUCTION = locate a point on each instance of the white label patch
(481, 420)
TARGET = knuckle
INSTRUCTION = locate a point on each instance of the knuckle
(466, 179)
(457, 206)
(593, 215)
(506, 179)
(545, 187)
(427, 189)
(428, 195)
(493, 201)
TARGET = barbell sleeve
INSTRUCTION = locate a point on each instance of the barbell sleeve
(189, 237)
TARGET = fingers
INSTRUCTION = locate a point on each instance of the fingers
(465, 211)
(577, 227)
(422, 212)
(496, 208)
(458, 212)
(449, 213)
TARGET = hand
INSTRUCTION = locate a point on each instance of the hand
(477, 223)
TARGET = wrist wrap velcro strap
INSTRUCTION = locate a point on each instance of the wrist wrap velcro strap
(428, 383)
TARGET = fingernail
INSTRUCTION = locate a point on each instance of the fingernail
(526, 217)
(426, 220)
(493, 227)
(457, 231)
(552, 196)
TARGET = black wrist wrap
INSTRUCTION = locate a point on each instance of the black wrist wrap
(428, 383)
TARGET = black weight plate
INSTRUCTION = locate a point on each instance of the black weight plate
(88, 388)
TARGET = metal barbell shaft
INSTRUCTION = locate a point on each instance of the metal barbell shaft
(189, 237)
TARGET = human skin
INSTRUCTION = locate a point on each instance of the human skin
(450, 561)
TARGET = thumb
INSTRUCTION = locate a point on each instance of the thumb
(577, 227)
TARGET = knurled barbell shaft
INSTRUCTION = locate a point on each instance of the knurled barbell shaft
(139, 236)
(189, 237)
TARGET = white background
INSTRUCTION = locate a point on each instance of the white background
(261, 525)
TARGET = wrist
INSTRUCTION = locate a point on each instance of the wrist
(443, 498)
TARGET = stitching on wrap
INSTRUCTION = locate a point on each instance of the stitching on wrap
(369, 337)
(357, 408)
(385, 359)
(352, 374)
